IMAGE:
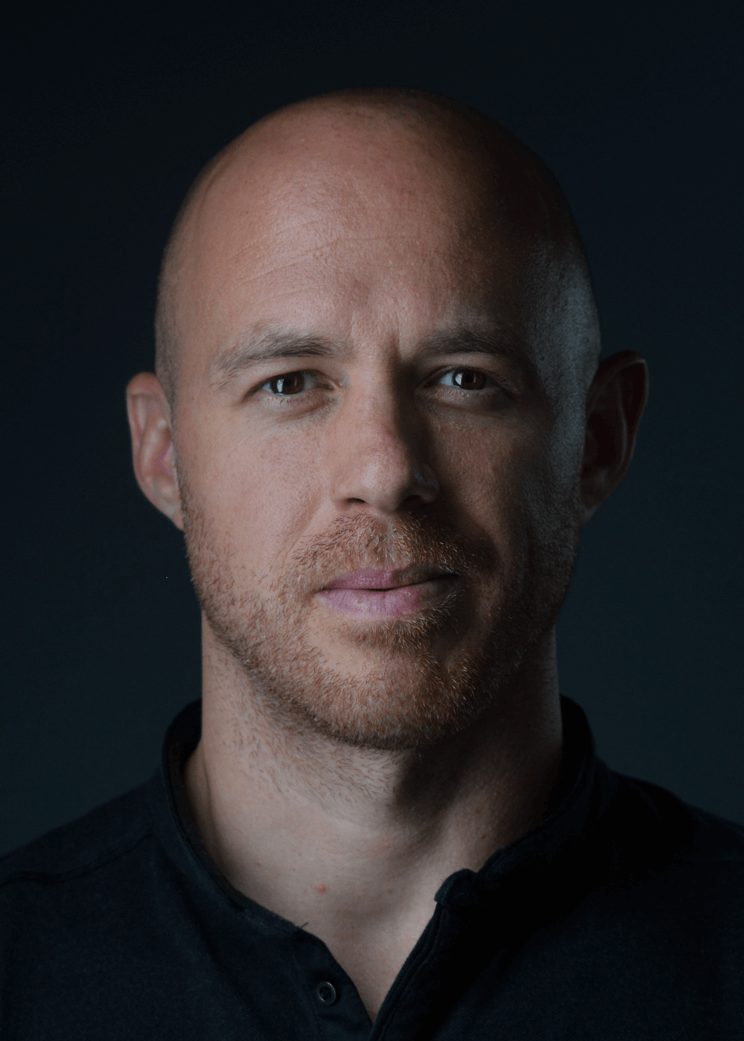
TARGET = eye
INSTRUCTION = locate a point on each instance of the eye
(287, 385)
(465, 379)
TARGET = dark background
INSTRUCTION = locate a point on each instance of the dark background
(109, 117)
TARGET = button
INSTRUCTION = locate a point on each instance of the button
(326, 993)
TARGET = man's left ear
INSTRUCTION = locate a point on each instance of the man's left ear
(615, 404)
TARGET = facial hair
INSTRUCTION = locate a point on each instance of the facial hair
(415, 679)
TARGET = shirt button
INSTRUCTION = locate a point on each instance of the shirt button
(325, 992)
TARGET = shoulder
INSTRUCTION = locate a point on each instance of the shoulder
(671, 860)
(660, 820)
(79, 849)
(78, 893)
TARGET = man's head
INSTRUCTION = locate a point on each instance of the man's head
(377, 351)
(335, 149)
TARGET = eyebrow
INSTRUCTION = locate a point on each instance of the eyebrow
(276, 344)
(268, 346)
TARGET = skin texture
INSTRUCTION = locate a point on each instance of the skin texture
(438, 408)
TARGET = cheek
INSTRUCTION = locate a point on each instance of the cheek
(257, 496)
(514, 485)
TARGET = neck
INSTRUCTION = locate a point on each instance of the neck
(354, 842)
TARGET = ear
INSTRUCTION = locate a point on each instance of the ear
(152, 444)
(615, 405)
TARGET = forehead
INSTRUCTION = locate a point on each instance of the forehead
(358, 235)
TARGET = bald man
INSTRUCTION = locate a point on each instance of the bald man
(379, 419)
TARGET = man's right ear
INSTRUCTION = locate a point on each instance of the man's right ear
(152, 444)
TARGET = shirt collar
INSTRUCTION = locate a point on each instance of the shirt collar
(559, 850)
(578, 801)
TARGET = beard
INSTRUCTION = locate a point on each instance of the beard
(406, 682)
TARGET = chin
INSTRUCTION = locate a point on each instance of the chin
(394, 701)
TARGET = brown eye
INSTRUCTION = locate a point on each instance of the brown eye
(466, 379)
(284, 386)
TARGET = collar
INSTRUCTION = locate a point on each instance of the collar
(557, 856)
(535, 863)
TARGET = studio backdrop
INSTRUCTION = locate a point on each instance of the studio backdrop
(637, 110)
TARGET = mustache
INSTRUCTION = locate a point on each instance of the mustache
(357, 543)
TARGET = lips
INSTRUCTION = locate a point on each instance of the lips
(376, 580)
(379, 594)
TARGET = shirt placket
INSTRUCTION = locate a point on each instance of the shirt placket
(330, 996)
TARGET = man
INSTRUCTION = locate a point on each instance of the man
(380, 420)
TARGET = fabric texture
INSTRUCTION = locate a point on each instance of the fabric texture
(619, 918)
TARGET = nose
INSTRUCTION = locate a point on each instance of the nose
(379, 455)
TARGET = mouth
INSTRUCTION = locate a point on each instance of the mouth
(378, 594)
(379, 581)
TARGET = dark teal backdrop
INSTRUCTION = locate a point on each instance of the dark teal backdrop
(637, 108)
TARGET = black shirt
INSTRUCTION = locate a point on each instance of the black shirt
(620, 918)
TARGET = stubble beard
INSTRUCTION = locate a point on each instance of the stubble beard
(417, 678)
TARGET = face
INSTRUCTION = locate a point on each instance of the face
(377, 461)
